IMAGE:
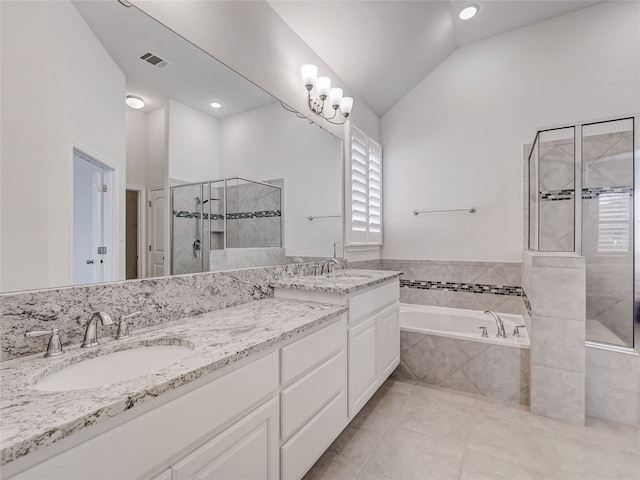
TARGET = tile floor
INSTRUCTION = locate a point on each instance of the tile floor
(409, 431)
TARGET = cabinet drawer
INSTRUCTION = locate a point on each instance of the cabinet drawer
(301, 356)
(302, 400)
(365, 304)
(300, 453)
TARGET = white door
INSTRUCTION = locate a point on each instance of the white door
(246, 450)
(156, 236)
(91, 213)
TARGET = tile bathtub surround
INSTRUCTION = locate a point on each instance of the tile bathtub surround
(613, 385)
(457, 284)
(160, 299)
(409, 431)
(494, 371)
(555, 286)
(217, 339)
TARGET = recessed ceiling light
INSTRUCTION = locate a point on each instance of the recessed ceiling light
(134, 102)
(468, 12)
(215, 105)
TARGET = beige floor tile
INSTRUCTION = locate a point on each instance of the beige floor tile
(332, 467)
(404, 454)
(528, 446)
(478, 466)
(581, 459)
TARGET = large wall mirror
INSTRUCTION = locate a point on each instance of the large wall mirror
(200, 171)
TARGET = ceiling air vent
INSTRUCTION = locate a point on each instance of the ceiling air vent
(154, 60)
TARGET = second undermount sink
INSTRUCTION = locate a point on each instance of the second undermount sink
(112, 368)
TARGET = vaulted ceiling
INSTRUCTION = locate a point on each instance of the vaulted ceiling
(382, 49)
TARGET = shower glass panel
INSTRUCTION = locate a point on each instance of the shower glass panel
(254, 214)
(186, 241)
(556, 190)
(532, 195)
(607, 230)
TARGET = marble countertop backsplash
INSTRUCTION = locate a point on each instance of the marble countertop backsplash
(31, 419)
(340, 281)
(162, 299)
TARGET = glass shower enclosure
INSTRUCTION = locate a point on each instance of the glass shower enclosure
(210, 218)
(581, 190)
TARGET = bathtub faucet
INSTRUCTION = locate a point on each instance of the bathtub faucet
(499, 323)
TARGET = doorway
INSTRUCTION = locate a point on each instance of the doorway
(132, 234)
(92, 215)
(156, 232)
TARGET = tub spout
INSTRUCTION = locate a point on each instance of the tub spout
(499, 323)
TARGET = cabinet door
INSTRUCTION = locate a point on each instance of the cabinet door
(247, 449)
(388, 332)
(362, 364)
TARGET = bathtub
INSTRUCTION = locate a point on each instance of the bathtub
(443, 346)
(462, 324)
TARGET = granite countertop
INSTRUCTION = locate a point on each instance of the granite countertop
(31, 419)
(341, 281)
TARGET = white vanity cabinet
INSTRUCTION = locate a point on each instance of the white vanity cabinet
(373, 332)
(270, 419)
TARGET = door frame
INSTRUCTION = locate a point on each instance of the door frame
(142, 227)
(111, 217)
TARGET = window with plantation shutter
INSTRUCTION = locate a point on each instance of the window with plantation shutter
(374, 193)
(364, 190)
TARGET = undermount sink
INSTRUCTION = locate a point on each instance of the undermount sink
(348, 276)
(112, 368)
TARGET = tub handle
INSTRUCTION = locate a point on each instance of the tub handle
(516, 330)
(485, 334)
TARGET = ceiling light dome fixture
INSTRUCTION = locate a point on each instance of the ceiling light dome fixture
(134, 102)
(468, 11)
(319, 91)
(215, 105)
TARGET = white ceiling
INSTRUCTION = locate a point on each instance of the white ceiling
(193, 77)
(382, 49)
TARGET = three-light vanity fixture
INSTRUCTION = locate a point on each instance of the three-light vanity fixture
(319, 90)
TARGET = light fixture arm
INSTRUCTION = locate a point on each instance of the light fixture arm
(324, 93)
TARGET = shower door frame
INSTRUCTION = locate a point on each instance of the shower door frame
(635, 207)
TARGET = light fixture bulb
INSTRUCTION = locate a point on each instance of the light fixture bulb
(335, 96)
(309, 73)
(468, 12)
(134, 102)
(346, 104)
(323, 85)
(215, 105)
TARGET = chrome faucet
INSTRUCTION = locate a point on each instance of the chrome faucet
(54, 346)
(91, 333)
(326, 268)
(499, 323)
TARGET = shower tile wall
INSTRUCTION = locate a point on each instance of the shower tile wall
(260, 231)
(556, 206)
(186, 230)
(608, 212)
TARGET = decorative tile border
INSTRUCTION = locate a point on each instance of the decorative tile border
(462, 287)
(230, 216)
(527, 303)
(587, 193)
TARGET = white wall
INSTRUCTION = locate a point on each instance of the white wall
(193, 144)
(136, 127)
(268, 143)
(53, 101)
(157, 153)
(456, 139)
